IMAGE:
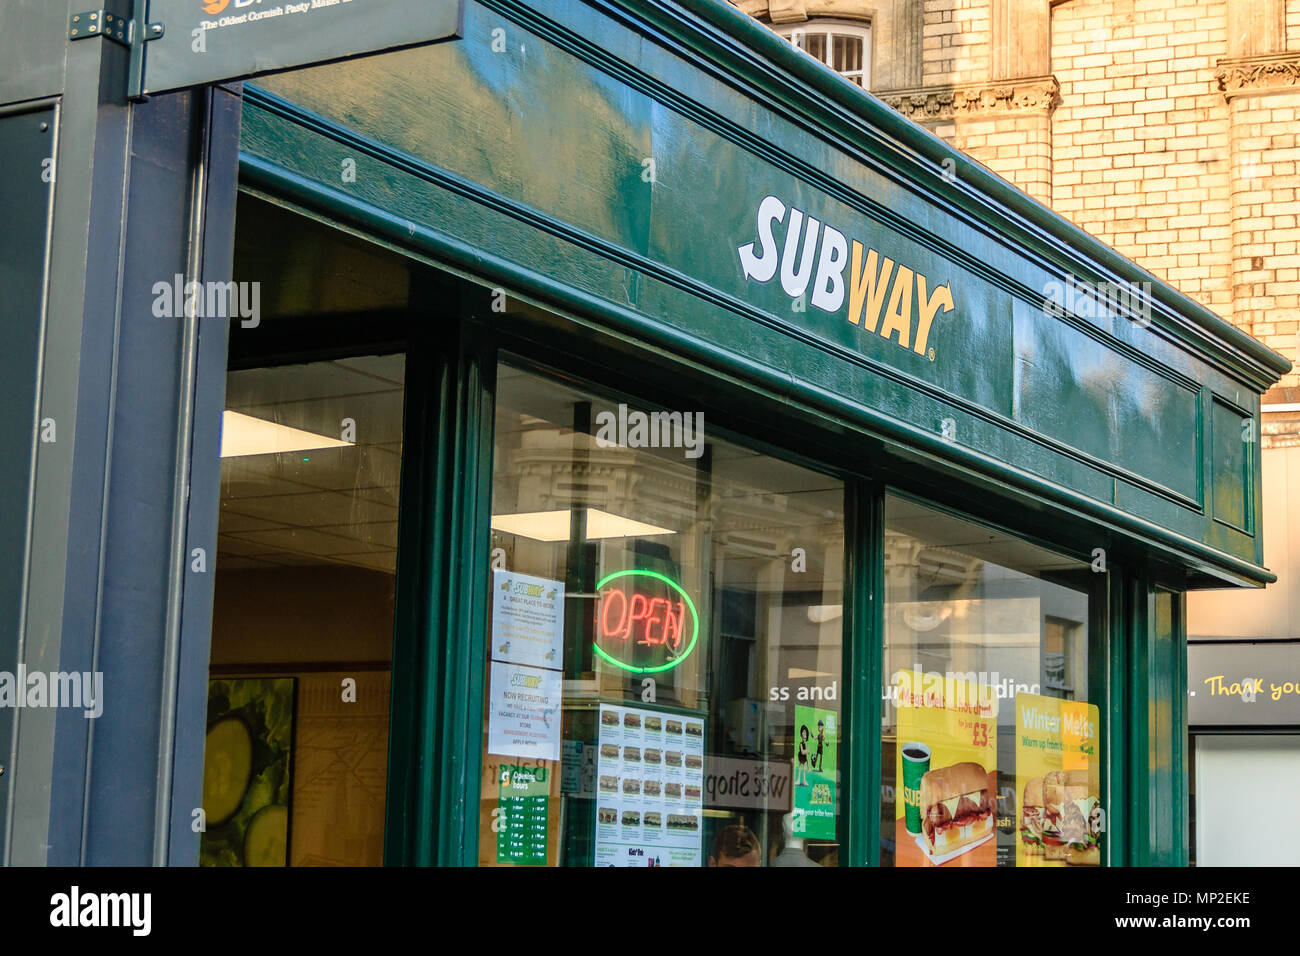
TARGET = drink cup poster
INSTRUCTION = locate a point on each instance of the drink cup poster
(815, 762)
(1058, 782)
(947, 765)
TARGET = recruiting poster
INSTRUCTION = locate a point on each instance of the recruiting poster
(524, 714)
(650, 788)
(524, 801)
(526, 677)
(947, 765)
(814, 773)
(1058, 782)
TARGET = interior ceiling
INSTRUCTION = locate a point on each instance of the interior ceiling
(940, 531)
(324, 506)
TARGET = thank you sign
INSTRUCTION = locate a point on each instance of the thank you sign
(208, 41)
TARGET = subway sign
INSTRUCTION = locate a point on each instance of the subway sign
(890, 299)
(646, 623)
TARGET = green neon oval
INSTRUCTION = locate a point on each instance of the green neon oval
(695, 623)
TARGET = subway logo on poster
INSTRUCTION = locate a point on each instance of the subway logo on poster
(885, 298)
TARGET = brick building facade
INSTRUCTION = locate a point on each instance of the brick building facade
(1170, 129)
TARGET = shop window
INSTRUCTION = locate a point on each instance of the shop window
(991, 740)
(844, 47)
(664, 683)
(298, 696)
(296, 758)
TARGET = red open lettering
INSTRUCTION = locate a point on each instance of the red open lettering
(652, 622)
(673, 626)
(618, 625)
(640, 607)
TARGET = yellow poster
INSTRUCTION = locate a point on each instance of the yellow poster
(1058, 782)
(947, 763)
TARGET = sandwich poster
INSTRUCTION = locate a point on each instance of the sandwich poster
(814, 773)
(1058, 782)
(947, 764)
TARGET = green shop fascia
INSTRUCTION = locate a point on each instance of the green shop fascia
(660, 200)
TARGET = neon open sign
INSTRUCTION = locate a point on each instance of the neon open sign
(645, 609)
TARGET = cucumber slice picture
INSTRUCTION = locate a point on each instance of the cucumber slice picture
(248, 771)
(267, 839)
(227, 766)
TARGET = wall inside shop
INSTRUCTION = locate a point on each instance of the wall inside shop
(320, 625)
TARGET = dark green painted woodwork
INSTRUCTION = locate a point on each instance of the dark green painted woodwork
(1139, 716)
(1108, 667)
(533, 159)
(864, 653)
(435, 734)
(1156, 829)
(1233, 433)
(1132, 414)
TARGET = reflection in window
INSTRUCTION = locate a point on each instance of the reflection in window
(664, 675)
(990, 741)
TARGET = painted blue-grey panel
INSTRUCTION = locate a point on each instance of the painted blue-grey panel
(26, 142)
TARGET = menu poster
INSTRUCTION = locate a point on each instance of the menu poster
(650, 788)
(814, 773)
(524, 803)
(526, 677)
(1058, 782)
(947, 763)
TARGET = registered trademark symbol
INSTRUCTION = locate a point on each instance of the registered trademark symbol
(931, 355)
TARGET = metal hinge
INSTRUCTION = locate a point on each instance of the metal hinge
(101, 23)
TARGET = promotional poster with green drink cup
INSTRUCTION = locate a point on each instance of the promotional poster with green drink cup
(916, 761)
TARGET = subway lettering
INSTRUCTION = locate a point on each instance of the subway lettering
(885, 297)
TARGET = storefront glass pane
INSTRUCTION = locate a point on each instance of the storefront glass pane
(664, 677)
(991, 740)
(302, 635)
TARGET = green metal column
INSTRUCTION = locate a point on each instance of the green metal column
(437, 704)
(1157, 764)
(863, 660)
(1108, 671)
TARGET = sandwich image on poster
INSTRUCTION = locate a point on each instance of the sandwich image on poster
(947, 765)
(1058, 780)
(956, 810)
